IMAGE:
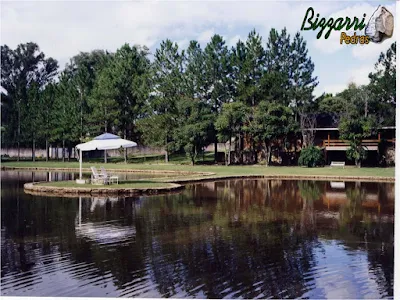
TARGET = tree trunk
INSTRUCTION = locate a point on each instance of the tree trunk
(166, 156)
(105, 156)
(229, 151)
(47, 150)
(69, 152)
(267, 155)
(63, 150)
(125, 149)
(240, 149)
(33, 150)
(80, 94)
(166, 149)
(18, 150)
(215, 150)
(255, 153)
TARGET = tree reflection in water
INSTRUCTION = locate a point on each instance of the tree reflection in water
(235, 238)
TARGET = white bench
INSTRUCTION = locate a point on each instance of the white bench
(337, 164)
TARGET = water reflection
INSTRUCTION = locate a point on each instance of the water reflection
(236, 238)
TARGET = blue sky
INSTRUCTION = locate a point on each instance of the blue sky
(62, 29)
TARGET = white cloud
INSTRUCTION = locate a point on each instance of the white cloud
(371, 51)
(231, 42)
(205, 36)
(62, 29)
(360, 75)
(182, 44)
(331, 89)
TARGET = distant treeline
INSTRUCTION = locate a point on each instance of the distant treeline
(184, 99)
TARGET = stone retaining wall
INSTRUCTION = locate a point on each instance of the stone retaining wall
(36, 188)
(87, 170)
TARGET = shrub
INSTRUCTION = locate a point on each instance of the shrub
(311, 157)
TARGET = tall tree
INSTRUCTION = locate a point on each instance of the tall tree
(219, 83)
(48, 104)
(23, 69)
(253, 69)
(66, 115)
(195, 72)
(354, 129)
(301, 79)
(167, 88)
(293, 77)
(272, 123)
(195, 124)
(82, 71)
(120, 86)
(383, 86)
(230, 124)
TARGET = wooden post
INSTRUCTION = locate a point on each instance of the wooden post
(379, 136)
(329, 139)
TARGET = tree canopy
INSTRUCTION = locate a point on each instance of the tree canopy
(254, 95)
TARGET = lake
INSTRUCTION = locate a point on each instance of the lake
(252, 238)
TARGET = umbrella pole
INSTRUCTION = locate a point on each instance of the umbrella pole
(80, 164)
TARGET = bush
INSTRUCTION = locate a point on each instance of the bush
(311, 157)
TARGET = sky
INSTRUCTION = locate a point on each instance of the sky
(63, 29)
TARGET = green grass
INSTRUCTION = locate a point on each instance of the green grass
(138, 184)
(219, 170)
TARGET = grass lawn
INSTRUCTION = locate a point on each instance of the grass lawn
(142, 184)
(218, 170)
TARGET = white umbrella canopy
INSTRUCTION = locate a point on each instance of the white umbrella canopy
(105, 141)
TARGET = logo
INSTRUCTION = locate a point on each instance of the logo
(379, 27)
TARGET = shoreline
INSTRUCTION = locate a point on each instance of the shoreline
(176, 185)
(174, 181)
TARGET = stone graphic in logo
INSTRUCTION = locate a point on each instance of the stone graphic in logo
(380, 25)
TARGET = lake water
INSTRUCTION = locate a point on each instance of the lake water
(235, 239)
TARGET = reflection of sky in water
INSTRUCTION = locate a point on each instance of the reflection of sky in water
(337, 274)
(342, 274)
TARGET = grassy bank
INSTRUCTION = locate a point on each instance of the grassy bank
(218, 170)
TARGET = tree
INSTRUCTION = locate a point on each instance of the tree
(301, 80)
(195, 124)
(195, 85)
(252, 70)
(82, 71)
(272, 123)
(311, 157)
(291, 78)
(167, 88)
(217, 65)
(354, 129)
(48, 99)
(335, 108)
(230, 122)
(24, 71)
(383, 86)
(104, 107)
(66, 114)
